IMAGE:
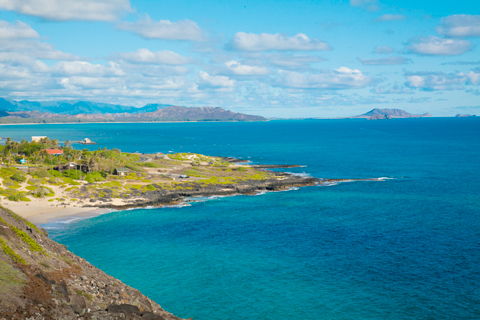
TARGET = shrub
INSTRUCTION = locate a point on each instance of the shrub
(26, 238)
(18, 177)
(150, 165)
(73, 174)
(53, 181)
(41, 173)
(25, 199)
(41, 192)
(34, 181)
(94, 177)
(14, 197)
(9, 252)
(55, 173)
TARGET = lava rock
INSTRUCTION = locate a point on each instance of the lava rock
(78, 304)
(151, 316)
(123, 308)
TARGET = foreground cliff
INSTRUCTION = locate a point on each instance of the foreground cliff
(41, 279)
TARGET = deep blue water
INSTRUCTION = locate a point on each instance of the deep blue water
(404, 248)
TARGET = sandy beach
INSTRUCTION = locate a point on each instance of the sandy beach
(43, 212)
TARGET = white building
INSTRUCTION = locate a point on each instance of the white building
(38, 138)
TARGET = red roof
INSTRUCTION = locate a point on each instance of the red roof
(53, 151)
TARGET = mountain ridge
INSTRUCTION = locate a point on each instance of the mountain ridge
(74, 107)
(170, 113)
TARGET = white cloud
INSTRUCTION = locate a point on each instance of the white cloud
(443, 81)
(384, 61)
(370, 5)
(164, 29)
(214, 81)
(390, 17)
(460, 25)
(246, 70)
(341, 78)
(82, 68)
(20, 30)
(63, 10)
(395, 89)
(383, 49)
(159, 57)
(292, 61)
(435, 46)
(269, 42)
(18, 43)
(473, 77)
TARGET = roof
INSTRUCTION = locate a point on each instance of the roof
(53, 151)
(122, 170)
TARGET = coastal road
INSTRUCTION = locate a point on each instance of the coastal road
(144, 158)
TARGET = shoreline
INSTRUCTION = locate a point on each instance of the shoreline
(41, 213)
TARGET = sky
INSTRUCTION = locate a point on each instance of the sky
(275, 58)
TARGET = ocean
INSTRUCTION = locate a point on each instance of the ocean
(407, 247)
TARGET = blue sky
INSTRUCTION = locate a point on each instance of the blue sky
(273, 58)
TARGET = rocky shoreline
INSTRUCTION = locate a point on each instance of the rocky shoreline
(159, 198)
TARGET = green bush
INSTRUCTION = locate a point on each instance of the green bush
(73, 174)
(42, 173)
(25, 199)
(14, 197)
(42, 191)
(55, 173)
(94, 177)
(26, 238)
(34, 181)
(9, 252)
(150, 165)
(18, 177)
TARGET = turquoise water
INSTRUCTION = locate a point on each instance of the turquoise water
(404, 248)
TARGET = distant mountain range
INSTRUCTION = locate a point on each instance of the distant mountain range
(74, 107)
(85, 111)
(378, 114)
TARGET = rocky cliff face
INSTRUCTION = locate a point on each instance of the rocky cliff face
(41, 279)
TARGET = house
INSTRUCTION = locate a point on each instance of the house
(54, 152)
(38, 138)
(121, 171)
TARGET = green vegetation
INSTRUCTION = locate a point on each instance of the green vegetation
(9, 252)
(83, 174)
(87, 295)
(18, 218)
(11, 280)
(26, 238)
(17, 176)
(67, 260)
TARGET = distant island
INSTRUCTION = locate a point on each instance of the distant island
(84, 111)
(464, 115)
(380, 114)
